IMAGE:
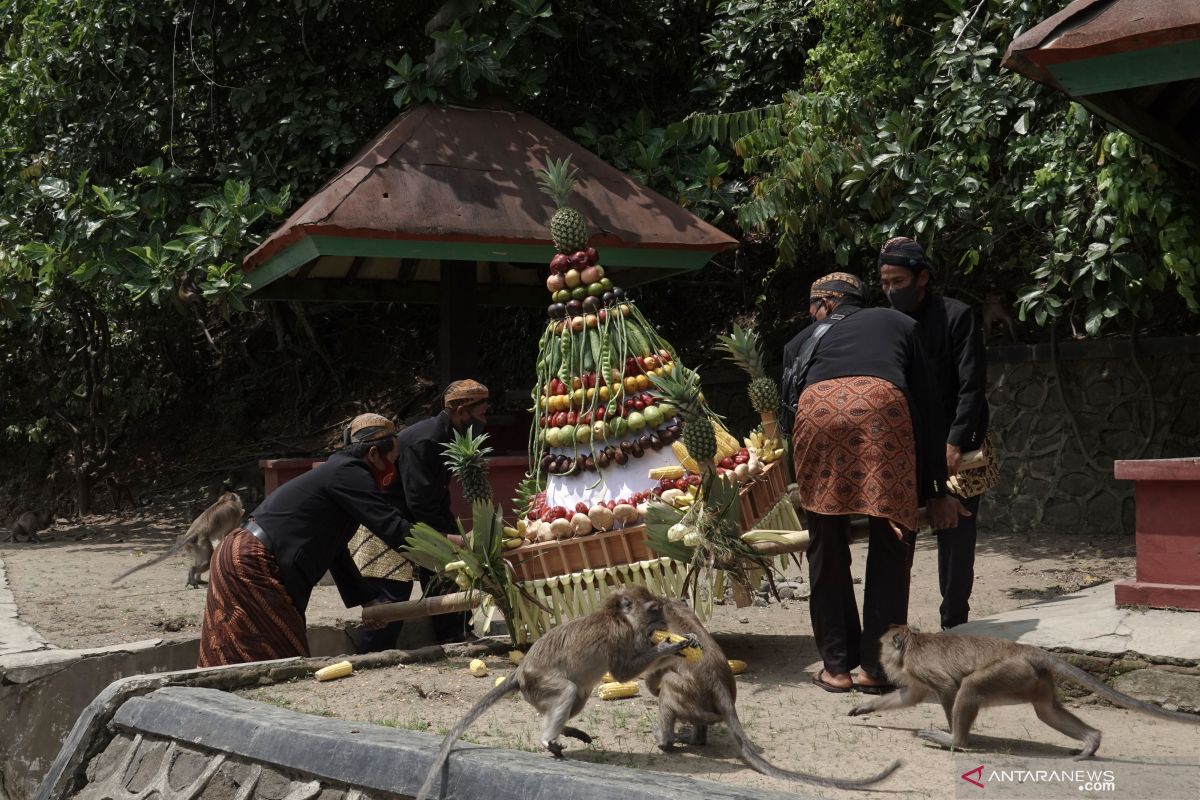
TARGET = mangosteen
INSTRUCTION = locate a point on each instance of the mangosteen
(666, 435)
(655, 441)
(591, 304)
(644, 440)
(603, 459)
(638, 450)
(557, 311)
(608, 297)
(620, 457)
(564, 464)
(618, 292)
(628, 448)
(574, 308)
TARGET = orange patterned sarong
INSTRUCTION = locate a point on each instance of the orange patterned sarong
(854, 450)
(248, 615)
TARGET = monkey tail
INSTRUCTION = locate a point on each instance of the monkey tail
(509, 686)
(1076, 675)
(752, 757)
(179, 544)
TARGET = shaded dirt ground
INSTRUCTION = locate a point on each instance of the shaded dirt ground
(62, 588)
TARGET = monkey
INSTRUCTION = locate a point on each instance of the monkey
(969, 672)
(201, 538)
(703, 693)
(995, 309)
(562, 668)
(28, 525)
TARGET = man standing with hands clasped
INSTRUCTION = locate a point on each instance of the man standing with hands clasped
(953, 342)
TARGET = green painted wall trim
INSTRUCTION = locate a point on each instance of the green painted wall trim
(1173, 62)
(311, 247)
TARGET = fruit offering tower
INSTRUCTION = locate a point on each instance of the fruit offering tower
(618, 421)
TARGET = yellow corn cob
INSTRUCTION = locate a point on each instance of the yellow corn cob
(515, 657)
(608, 678)
(690, 653)
(615, 691)
(669, 471)
(338, 670)
(737, 667)
(478, 668)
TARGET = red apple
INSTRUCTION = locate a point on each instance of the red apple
(579, 258)
(560, 263)
(592, 255)
(588, 275)
(556, 282)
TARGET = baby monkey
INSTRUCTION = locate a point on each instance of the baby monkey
(562, 668)
(703, 692)
(967, 673)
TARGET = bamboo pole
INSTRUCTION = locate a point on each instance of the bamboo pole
(411, 609)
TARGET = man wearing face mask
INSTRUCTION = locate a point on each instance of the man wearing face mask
(954, 343)
(263, 573)
(424, 482)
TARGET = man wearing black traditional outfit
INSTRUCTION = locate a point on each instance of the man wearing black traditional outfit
(262, 574)
(953, 341)
(866, 439)
(422, 495)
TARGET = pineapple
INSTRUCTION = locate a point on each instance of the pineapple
(467, 459)
(567, 227)
(742, 348)
(681, 388)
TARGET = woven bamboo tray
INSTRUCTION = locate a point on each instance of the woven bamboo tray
(628, 545)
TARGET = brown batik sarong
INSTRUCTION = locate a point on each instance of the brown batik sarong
(248, 615)
(854, 450)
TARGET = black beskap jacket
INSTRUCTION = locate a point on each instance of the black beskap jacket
(953, 340)
(309, 522)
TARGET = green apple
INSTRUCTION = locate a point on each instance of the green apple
(566, 435)
(636, 421)
(653, 415)
(595, 289)
(579, 292)
(561, 296)
(582, 434)
(552, 436)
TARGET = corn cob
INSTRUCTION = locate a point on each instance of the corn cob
(515, 657)
(690, 653)
(338, 670)
(478, 668)
(737, 667)
(608, 678)
(499, 680)
(669, 471)
(616, 691)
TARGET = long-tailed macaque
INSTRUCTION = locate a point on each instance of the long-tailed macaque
(28, 525)
(703, 692)
(201, 538)
(967, 673)
(562, 668)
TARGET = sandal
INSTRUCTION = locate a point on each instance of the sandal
(829, 687)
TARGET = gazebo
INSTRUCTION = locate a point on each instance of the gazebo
(443, 207)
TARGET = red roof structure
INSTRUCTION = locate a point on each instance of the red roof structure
(444, 184)
(1134, 62)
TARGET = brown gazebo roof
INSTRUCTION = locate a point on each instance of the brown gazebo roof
(1134, 62)
(444, 184)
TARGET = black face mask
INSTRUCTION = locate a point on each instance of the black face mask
(476, 425)
(905, 298)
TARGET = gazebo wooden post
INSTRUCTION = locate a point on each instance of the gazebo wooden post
(458, 350)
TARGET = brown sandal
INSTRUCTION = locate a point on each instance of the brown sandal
(829, 687)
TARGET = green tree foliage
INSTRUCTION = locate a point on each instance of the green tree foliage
(906, 125)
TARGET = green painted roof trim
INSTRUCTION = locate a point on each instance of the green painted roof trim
(1173, 62)
(311, 247)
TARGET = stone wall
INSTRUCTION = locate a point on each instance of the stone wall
(1054, 480)
(1060, 422)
